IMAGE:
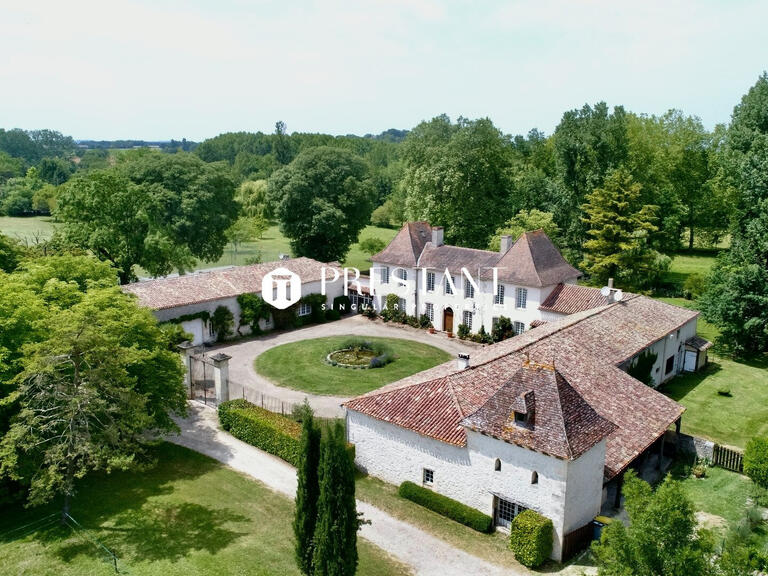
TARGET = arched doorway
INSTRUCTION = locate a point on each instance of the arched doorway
(448, 319)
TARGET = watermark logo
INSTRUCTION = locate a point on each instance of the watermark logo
(281, 288)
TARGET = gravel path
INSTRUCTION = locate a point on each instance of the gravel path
(243, 377)
(425, 554)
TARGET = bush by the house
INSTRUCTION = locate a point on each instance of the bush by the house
(370, 312)
(530, 538)
(463, 331)
(502, 329)
(424, 321)
(342, 304)
(252, 309)
(756, 461)
(266, 430)
(222, 322)
(332, 314)
(446, 506)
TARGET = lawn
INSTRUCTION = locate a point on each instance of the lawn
(301, 366)
(187, 516)
(721, 493)
(267, 248)
(27, 229)
(732, 420)
(687, 263)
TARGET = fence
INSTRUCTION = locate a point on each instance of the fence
(577, 540)
(266, 401)
(728, 458)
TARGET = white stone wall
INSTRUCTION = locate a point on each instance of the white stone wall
(482, 305)
(468, 474)
(673, 344)
(199, 329)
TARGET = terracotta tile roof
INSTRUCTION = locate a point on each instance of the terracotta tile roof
(407, 245)
(560, 422)
(537, 323)
(454, 258)
(572, 298)
(533, 260)
(205, 286)
(586, 348)
(698, 343)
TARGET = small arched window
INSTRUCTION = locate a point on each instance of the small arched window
(535, 477)
(497, 465)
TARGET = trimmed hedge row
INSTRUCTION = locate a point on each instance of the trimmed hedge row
(446, 506)
(266, 430)
(530, 538)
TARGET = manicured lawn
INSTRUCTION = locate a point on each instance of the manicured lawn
(27, 228)
(721, 492)
(730, 420)
(187, 516)
(686, 263)
(301, 366)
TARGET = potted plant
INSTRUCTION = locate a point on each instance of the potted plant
(431, 329)
(450, 334)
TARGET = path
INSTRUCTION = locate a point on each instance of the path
(425, 554)
(242, 375)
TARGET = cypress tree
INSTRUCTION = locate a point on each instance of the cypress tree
(337, 521)
(307, 492)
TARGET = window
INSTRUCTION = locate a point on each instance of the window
(448, 280)
(430, 281)
(428, 476)
(494, 322)
(430, 311)
(401, 304)
(385, 275)
(535, 477)
(670, 365)
(521, 297)
(518, 328)
(521, 418)
(506, 511)
(402, 273)
(469, 290)
(305, 309)
(499, 297)
(468, 319)
(497, 465)
(210, 329)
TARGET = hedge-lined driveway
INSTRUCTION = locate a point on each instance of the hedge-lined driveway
(245, 382)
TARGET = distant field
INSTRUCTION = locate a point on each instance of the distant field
(269, 247)
(26, 229)
(684, 264)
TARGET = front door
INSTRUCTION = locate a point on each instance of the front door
(448, 320)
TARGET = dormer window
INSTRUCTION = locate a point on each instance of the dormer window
(521, 418)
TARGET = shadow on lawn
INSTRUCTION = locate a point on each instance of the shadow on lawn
(681, 385)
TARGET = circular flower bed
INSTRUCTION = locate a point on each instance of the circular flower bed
(360, 353)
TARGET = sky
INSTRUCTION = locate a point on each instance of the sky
(162, 69)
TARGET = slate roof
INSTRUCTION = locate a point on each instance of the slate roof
(698, 343)
(572, 298)
(407, 245)
(586, 347)
(205, 286)
(533, 260)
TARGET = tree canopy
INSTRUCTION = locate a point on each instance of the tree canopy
(323, 199)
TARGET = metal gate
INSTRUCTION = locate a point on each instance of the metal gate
(202, 386)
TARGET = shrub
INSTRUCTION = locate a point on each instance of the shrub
(724, 391)
(530, 538)
(694, 286)
(756, 461)
(424, 321)
(342, 304)
(266, 430)
(332, 314)
(370, 312)
(463, 331)
(446, 506)
(222, 321)
(502, 329)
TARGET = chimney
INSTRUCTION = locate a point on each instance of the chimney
(506, 243)
(462, 361)
(610, 283)
(437, 235)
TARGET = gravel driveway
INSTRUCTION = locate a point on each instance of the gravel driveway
(243, 377)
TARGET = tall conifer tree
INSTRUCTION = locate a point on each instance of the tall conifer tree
(308, 490)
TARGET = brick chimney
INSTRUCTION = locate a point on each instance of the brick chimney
(506, 244)
(437, 235)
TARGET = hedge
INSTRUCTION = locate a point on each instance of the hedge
(530, 538)
(446, 506)
(756, 461)
(266, 430)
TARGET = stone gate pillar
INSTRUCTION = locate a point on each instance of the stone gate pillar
(186, 350)
(221, 376)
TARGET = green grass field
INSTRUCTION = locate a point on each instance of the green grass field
(268, 248)
(188, 516)
(301, 366)
(687, 263)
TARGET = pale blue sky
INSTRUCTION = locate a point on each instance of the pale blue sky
(159, 69)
